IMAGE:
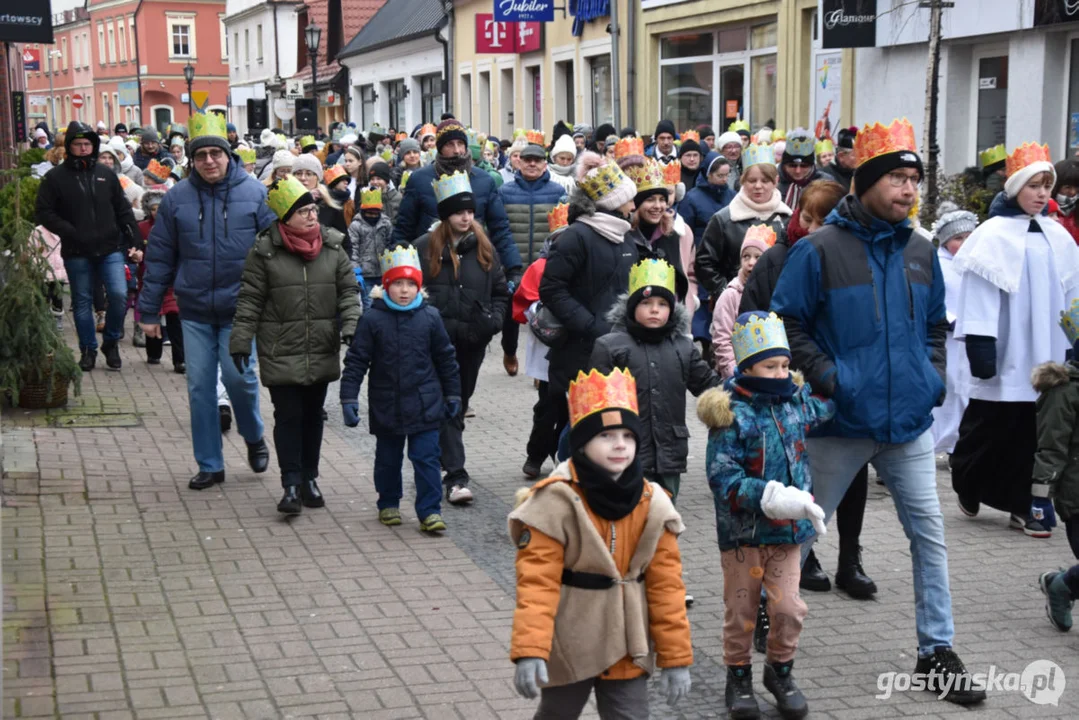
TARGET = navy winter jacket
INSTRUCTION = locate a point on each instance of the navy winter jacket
(410, 364)
(527, 204)
(863, 303)
(704, 201)
(199, 243)
(419, 210)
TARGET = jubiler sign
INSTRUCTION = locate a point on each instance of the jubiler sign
(524, 10)
(849, 23)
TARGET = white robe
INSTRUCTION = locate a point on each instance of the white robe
(946, 418)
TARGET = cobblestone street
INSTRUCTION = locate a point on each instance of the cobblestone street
(126, 595)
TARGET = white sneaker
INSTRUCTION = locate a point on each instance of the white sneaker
(460, 495)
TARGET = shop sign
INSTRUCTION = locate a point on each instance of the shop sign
(26, 21)
(18, 114)
(494, 37)
(849, 23)
(128, 92)
(732, 109)
(529, 37)
(31, 59)
(1051, 12)
(524, 10)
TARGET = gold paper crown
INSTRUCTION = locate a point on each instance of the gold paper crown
(762, 232)
(427, 129)
(207, 125)
(876, 140)
(763, 154)
(602, 181)
(370, 198)
(558, 217)
(738, 125)
(332, 173)
(158, 170)
(247, 155)
(691, 135)
(993, 155)
(1026, 154)
(824, 146)
(672, 173)
(759, 333)
(1069, 321)
(449, 185)
(284, 194)
(648, 176)
(593, 393)
(307, 141)
(651, 272)
(401, 136)
(399, 257)
(404, 180)
(628, 146)
(535, 136)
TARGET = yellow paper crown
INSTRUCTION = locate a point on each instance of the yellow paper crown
(824, 146)
(1026, 154)
(672, 173)
(426, 130)
(876, 140)
(651, 272)
(691, 135)
(449, 185)
(307, 141)
(602, 181)
(647, 176)
(594, 392)
(763, 154)
(1069, 321)
(558, 217)
(333, 173)
(628, 146)
(993, 155)
(398, 257)
(247, 155)
(759, 333)
(207, 125)
(404, 180)
(535, 136)
(520, 133)
(778, 135)
(370, 198)
(738, 125)
(284, 194)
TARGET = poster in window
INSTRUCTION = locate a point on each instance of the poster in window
(827, 93)
(848, 23)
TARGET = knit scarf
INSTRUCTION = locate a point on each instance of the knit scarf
(782, 388)
(450, 165)
(307, 243)
(794, 191)
(742, 208)
(610, 498)
(611, 227)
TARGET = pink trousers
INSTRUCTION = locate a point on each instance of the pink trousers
(778, 568)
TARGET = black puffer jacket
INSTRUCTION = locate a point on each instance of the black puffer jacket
(584, 276)
(757, 294)
(472, 304)
(719, 256)
(82, 203)
(664, 371)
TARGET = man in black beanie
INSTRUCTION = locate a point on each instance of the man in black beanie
(841, 168)
(663, 150)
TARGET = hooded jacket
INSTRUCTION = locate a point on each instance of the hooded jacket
(664, 370)
(199, 244)
(84, 204)
(863, 304)
(527, 204)
(1056, 462)
(142, 159)
(755, 438)
(367, 243)
(703, 201)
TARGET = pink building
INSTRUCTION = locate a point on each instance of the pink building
(67, 63)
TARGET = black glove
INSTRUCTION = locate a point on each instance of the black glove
(241, 361)
(982, 355)
(347, 339)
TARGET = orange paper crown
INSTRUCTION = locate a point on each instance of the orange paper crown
(672, 173)
(558, 217)
(628, 146)
(333, 173)
(593, 393)
(1026, 154)
(401, 136)
(536, 137)
(158, 170)
(764, 233)
(691, 135)
(426, 130)
(876, 139)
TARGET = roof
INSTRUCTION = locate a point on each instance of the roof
(397, 21)
(355, 15)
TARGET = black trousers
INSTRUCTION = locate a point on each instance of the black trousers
(297, 432)
(451, 438)
(851, 510)
(543, 440)
(154, 346)
(993, 459)
(511, 333)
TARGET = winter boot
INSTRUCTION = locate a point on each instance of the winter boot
(850, 577)
(1058, 600)
(741, 702)
(309, 492)
(790, 701)
(813, 576)
(88, 359)
(111, 350)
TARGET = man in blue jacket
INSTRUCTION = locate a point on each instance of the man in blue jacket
(204, 228)
(863, 303)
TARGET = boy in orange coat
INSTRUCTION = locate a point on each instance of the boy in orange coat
(599, 574)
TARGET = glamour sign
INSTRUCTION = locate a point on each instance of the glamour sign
(524, 10)
(849, 23)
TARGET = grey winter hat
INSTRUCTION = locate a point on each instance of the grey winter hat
(149, 134)
(953, 223)
(408, 145)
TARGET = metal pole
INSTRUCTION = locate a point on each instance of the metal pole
(52, 96)
(314, 83)
(190, 102)
(616, 83)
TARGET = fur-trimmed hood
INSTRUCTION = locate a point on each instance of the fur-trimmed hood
(1050, 375)
(149, 198)
(580, 204)
(616, 316)
(378, 292)
(714, 405)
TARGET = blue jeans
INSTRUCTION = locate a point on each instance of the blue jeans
(82, 273)
(424, 451)
(909, 472)
(205, 348)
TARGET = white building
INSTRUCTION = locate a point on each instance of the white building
(263, 42)
(1009, 73)
(396, 66)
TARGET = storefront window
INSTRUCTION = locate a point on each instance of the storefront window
(367, 106)
(686, 94)
(602, 108)
(763, 36)
(992, 101)
(732, 40)
(680, 46)
(762, 75)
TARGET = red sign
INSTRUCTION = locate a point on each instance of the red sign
(732, 109)
(494, 37)
(76, 101)
(31, 59)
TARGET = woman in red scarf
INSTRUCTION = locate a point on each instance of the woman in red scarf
(297, 279)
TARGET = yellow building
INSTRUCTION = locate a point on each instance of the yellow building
(569, 78)
(712, 61)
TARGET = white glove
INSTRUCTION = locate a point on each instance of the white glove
(780, 502)
(531, 673)
(674, 683)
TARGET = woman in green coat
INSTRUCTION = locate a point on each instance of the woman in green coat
(297, 279)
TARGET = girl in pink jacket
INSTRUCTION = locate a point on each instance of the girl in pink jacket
(757, 239)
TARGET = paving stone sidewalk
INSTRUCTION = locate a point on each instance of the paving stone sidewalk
(126, 595)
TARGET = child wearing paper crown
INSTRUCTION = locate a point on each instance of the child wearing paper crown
(755, 243)
(370, 232)
(1056, 472)
(599, 575)
(414, 387)
(759, 474)
(650, 338)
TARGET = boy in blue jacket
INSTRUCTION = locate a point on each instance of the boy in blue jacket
(759, 474)
(415, 385)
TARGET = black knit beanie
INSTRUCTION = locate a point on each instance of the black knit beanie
(592, 425)
(664, 126)
(690, 146)
(868, 173)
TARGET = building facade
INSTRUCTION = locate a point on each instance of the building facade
(68, 64)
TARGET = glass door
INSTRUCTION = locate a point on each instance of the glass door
(992, 101)
(732, 84)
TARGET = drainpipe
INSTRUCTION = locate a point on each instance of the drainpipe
(616, 68)
(138, 67)
(445, 70)
(631, 64)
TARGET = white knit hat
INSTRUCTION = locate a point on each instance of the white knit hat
(728, 138)
(564, 144)
(282, 159)
(271, 139)
(1019, 178)
(307, 161)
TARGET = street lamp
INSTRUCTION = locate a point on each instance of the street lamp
(52, 97)
(189, 76)
(312, 34)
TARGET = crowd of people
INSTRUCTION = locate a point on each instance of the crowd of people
(783, 279)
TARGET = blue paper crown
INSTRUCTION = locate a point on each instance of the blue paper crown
(1069, 320)
(400, 256)
(762, 154)
(449, 185)
(758, 334)
(800, 143)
